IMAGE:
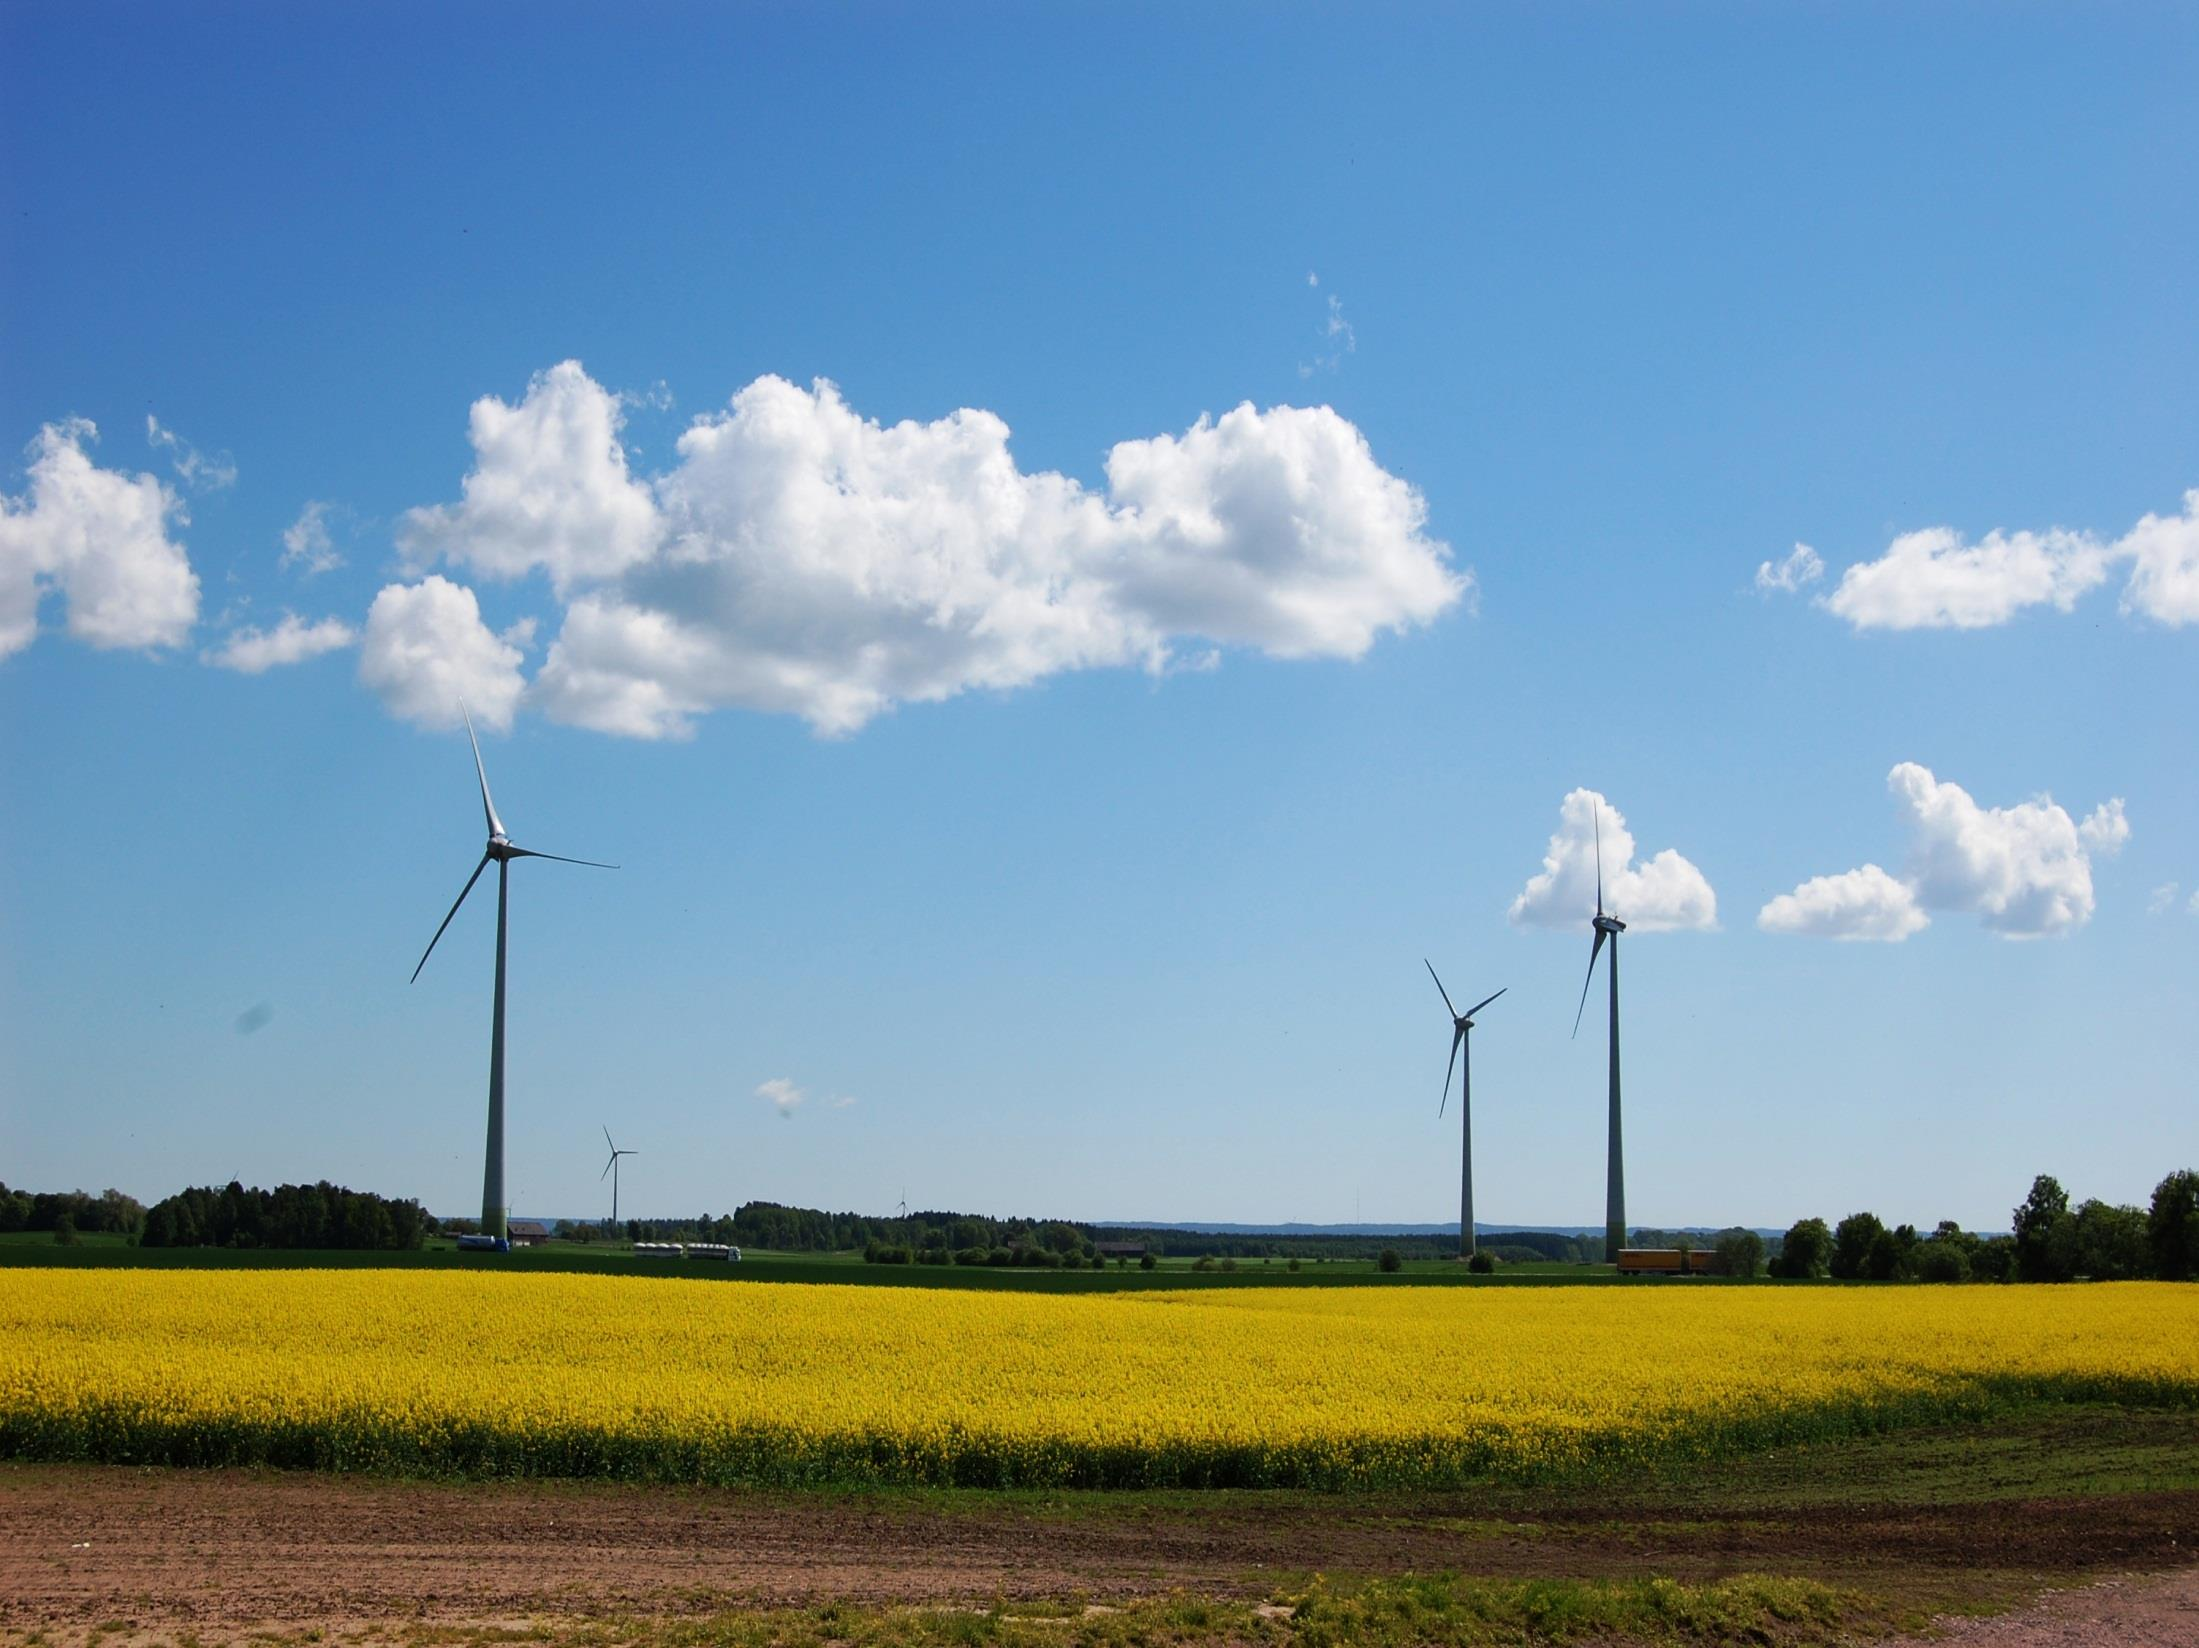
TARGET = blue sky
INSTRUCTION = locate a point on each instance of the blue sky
(1062, 799)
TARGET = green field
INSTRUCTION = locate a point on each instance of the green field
(760, 1265)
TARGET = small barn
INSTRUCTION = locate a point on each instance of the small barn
(1120, 1250)
(526, 1232)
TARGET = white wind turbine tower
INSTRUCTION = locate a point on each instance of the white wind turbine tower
(1462, 1025)
(1614, 1195)
(501, 849)
(610, 1170)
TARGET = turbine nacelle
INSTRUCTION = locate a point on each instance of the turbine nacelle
(1607, 924)
(1460, 1024)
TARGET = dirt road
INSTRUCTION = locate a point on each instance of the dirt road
(2159, 1611)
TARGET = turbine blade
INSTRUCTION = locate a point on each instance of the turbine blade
(1457, 1036)
(606, 1173)
(488, 807)
(1425, 962)
(1594, 950)
(610, 1143)
(554, 858)
(1483, 1002)
(460, 899)
(1599, 861)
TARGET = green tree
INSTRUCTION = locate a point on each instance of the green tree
(1805, 1252)
(1944, 1256)
(1892, 1257)
(2046, 1233)
(1994, 1259)
(64, 1229)
(2111, 1242)
(2172, 1227)
(1390, 1262)
(1742, 1251)
(1853, 1239)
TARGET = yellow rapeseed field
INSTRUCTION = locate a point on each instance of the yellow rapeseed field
(671, 1379)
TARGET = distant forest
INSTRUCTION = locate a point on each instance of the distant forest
(2050, 1239)
(320, 1215)
(812, 1230)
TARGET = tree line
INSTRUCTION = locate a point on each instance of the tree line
(319, 1215)
(781, 1228)
(2049, 1241)
(67, 1212)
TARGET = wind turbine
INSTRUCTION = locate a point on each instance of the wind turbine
(500, 849)
(610, 1171)
(1614, 1195)
(1461, 1023)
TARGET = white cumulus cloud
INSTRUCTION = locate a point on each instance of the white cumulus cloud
(426, 648)
(1856, 904)
(196, 469)
(800, 558)
(2105, 828)
(1801, 565)
(2163, 899)
(100, 538)
(2024, 871)
(549, 489)
(252, 651)
(2164, 574)
(1934, 579)
(1663, 894)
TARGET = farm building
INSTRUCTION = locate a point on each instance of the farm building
(526, 1232)
(1120, 1250)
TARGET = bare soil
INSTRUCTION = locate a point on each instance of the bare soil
(219, 1554)
(2159, 1611)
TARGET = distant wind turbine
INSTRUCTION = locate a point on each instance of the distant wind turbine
(1461, 1024)
(1614, 1195)
(610, 1171)
(500, 849)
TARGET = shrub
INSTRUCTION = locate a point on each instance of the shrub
(1294, 1267)
(1229, 1264)
(1390, 1263)
(1001, 1256)
(1146, 1261)
(973, 1256)
(1483, 1263)
(1205, 1261)
(1940, 1260)
(64, 1230)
